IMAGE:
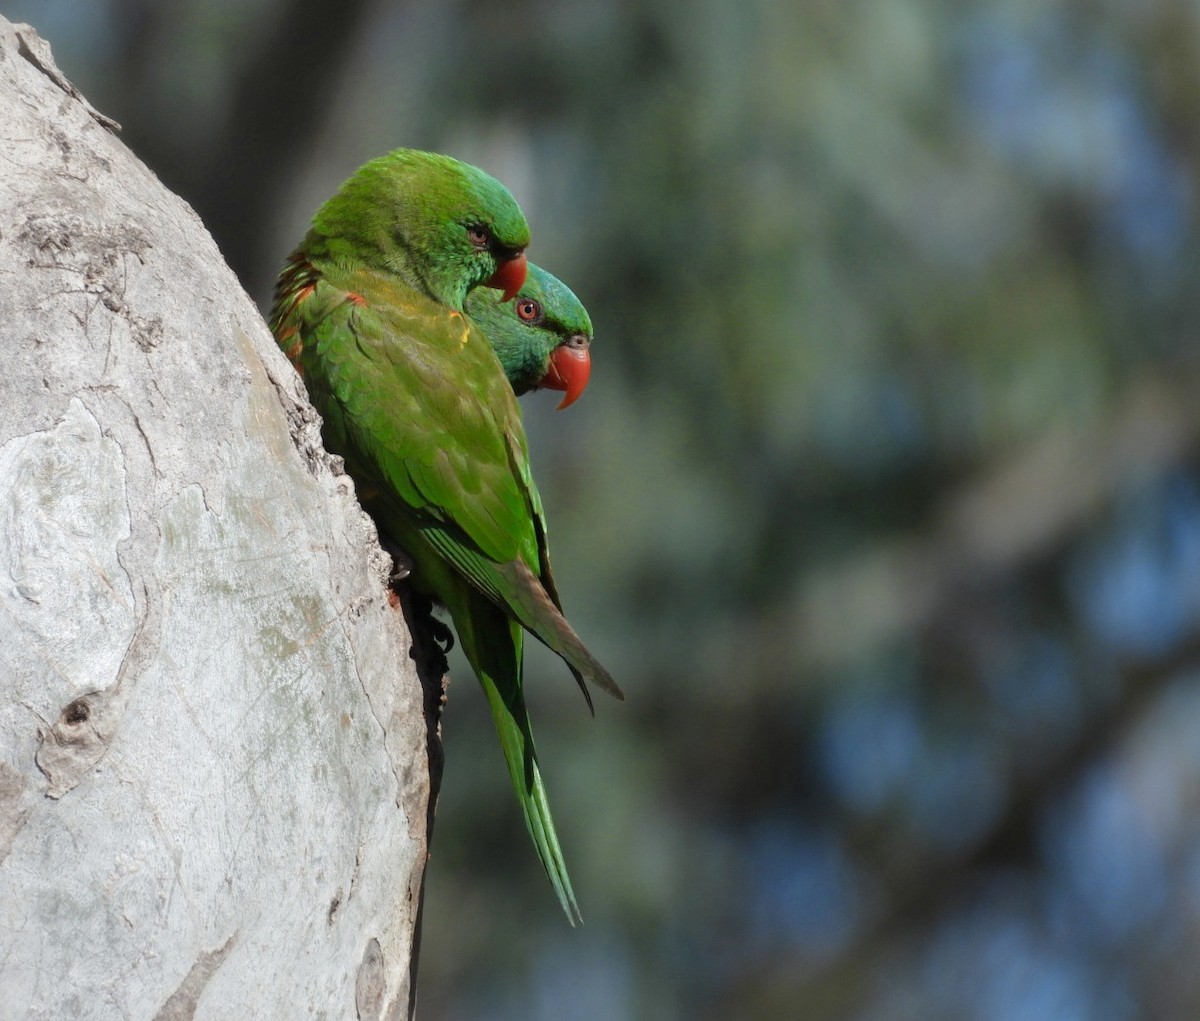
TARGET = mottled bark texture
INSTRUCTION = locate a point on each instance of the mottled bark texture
(213, 767)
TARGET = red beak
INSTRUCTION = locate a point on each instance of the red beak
(509, 276)
(570, 367)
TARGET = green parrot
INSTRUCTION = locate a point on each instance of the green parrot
(370, 308)
(542, 339)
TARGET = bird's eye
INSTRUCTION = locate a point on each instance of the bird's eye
(529, 310)
(479, 236)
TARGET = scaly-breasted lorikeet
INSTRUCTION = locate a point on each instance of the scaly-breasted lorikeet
(370, 306)
(542, 338)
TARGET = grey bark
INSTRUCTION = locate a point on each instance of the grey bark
(213, 770)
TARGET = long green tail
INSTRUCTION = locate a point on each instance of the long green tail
(494, 645)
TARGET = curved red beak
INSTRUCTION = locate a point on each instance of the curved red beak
(570, 367)
(509, 276)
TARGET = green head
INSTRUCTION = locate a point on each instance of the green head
(542, 339)
(441, 225)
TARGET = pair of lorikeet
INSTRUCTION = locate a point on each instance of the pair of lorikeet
(415, 374)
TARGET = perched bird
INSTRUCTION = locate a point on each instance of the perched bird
(542, 338)
(370, 307)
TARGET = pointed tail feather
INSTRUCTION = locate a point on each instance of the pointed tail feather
(516, 591)
(493, 645)
(538, 612)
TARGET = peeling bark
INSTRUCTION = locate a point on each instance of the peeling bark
(214, 773)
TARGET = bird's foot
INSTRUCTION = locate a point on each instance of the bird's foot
(402, 563)
(440, 634)
(432, 639)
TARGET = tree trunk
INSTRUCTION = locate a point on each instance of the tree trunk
(214, 776)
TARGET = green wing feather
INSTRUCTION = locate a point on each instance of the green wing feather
(435, 423)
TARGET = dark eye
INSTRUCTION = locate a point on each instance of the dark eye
(529, 310)
(480, 237)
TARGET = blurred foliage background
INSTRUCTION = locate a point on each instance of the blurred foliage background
(883, 503)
